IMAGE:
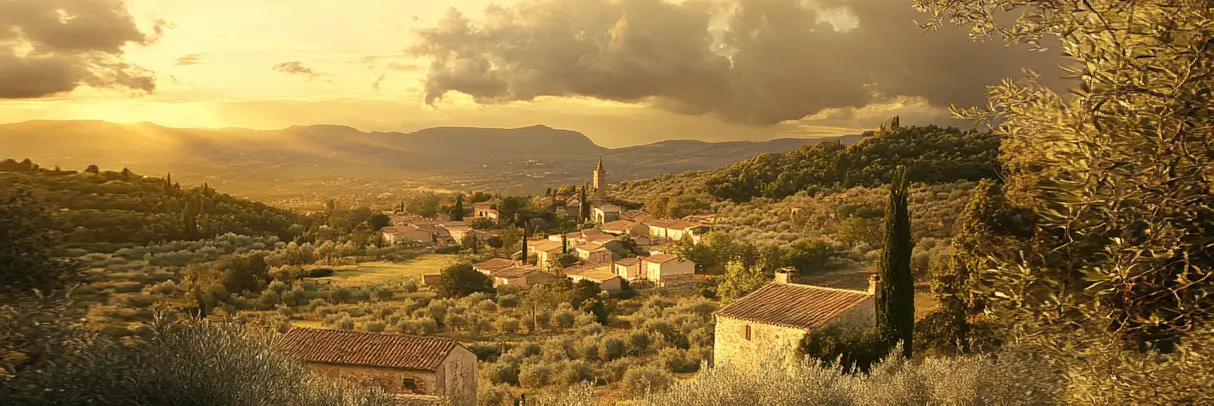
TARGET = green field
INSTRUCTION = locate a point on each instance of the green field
(376, 273)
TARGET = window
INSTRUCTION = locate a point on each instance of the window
(410, 384)
(747, 332)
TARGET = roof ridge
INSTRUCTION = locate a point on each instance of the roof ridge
(802, 285)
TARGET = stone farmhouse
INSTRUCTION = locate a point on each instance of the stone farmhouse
(626, 227)
(668, 270)
(397, 363)
(606, 213)
(602, 276)
(674, 230)
(407, 233)
(485, 210)
(487, 267)
(768, 325)
(522, 277)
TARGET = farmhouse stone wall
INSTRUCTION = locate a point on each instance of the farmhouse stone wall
(766, 345)
(458, 375)
(389, 379)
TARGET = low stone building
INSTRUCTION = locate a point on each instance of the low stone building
(601, 276)
(606, 213)
(520, 276)
(668, 270)
(396, 363)
(488, 266)
(628, 268)
(768, 325)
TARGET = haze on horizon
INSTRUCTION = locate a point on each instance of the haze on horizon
(623, 72)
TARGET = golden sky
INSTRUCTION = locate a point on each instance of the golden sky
(622, 72)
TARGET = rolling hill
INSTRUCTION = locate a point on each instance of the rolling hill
(312, 162)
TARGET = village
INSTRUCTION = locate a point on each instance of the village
(624, 249)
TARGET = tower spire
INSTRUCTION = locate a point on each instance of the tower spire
(600, 167)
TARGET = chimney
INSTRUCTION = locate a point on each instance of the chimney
(874, 282)
(784, 275)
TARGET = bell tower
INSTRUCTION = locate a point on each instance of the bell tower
(600, 180)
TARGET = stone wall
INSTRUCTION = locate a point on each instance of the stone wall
(459, 377)
(767, 343)
(389, 379)
(864, 314)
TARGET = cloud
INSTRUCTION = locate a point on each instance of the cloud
(295, 68)
(403, 67)
(191, 59)
(49, 47)
(748, 61)
(378, 82)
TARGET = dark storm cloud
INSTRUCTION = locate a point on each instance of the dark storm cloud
(771, 60)
(49, 47)
(295, 68)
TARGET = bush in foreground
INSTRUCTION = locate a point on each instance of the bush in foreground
(183, 364)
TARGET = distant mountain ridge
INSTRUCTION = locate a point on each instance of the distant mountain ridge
(261, 163)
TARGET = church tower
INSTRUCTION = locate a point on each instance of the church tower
(600, 181)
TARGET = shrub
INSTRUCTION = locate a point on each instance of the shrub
(187, 362)
(533, 376)
(647, 379)
(853, 348)
(611, 348)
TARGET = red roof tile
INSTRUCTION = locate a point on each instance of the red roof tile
(494, 264)
(660, 258)
(423, 353)
(796, 306)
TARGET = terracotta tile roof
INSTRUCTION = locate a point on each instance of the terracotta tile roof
(627, 261)
(621, 225)
(512, 273)
(544, 245)
(660, 258)
(796, 306)
(390, 350)
(609, 208)
(590, 247)
(494, 264)
(597, 275)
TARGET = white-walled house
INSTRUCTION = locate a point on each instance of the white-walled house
(666, 270)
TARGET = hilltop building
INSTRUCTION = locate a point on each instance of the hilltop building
(600, 181)
(770, 323)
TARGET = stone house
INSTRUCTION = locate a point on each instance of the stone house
(606, 213)
(674, 230)
(407, 233)
(544, 250)
(485, 210)
(594, 252)
(668, 270)
(396, 363)
(520, 276)
(628, 268)
(768, 325)
(487, 267)
(604, 278)
(626, 227)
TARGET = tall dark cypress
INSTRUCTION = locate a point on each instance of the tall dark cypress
(457, 212)
(583, 213)
(895, 296)
(523, 257)
(564, 243)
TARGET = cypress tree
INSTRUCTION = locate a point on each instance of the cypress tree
(457, 212)
(168, 185)
(895, 296)
(564, 243)
(523, 257)
(583, 213)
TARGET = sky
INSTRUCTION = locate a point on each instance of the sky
(623, 72)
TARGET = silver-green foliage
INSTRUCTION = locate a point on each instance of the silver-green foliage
(181, 363)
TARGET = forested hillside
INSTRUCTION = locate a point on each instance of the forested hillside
(97, 208)
(931, 154)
